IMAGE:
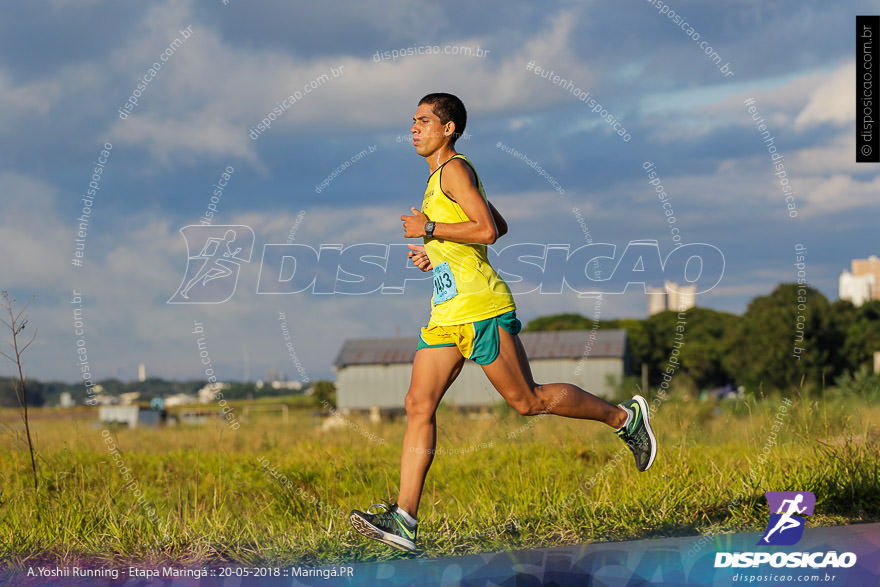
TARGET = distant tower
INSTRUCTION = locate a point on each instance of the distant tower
(142, 372)
(681, 297)
(656, 300)
(673, 297)
(863, 283)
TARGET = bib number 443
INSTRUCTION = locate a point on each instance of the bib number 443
(444, 283)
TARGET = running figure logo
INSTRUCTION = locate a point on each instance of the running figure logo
(786, 526)
(212, 274)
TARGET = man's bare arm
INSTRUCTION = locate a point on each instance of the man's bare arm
(500, 223)
(460, 184)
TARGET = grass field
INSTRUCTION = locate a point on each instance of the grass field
(275, 494)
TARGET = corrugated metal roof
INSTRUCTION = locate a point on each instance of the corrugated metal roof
(557, 344)
(574, 344)
(376, 351)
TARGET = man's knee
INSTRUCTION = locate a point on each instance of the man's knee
(523, 408)
(418, 405)
(528, 405)
(529, 409)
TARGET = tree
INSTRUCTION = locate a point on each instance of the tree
(652, 340)
(861, 334)
(559, 322)
(240, 390)
(637, 337)
(660, 331)
(783, 337)
(324, 393)
(9, 393)
(16, 325)
(706, 346)
(701, 346)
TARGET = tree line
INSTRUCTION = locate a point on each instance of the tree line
(49, 392)
(793, 333)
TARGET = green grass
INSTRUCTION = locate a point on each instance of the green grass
(495, 483)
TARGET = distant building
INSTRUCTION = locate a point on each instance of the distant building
(656, 300)
(66, 400)
(673, 297)
(291, 385)
(104, 400)
(179, 399)
(863, 283)
(129, 397)
(856, 289)
(131, 416)
(142, 372)
(210, 391)
(376, 372)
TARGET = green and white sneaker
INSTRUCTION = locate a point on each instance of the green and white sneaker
(637, 433)
(387, 526)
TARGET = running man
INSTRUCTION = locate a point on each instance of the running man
(472, 316)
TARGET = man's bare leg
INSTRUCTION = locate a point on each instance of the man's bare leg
(433, 372)
(511, 375)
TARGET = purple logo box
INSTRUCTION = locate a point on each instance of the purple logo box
(776, 498)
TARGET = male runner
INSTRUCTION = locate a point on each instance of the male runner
(472, 316)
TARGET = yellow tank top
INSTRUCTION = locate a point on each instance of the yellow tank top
(466, 287)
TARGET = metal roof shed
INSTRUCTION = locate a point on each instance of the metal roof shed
(376, 371)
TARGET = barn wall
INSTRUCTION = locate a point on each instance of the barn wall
(361, 386)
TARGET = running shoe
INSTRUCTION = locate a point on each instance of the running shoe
(638, 435)
(386, 526)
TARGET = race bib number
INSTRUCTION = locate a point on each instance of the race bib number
(444, 283)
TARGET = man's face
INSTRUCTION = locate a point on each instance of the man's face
(428, 134)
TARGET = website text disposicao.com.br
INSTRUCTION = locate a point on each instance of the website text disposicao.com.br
(457, 50)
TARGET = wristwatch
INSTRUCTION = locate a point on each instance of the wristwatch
(429, 229)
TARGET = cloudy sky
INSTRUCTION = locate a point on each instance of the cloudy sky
(674, 76)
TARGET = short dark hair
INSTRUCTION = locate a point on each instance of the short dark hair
(448, 107)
